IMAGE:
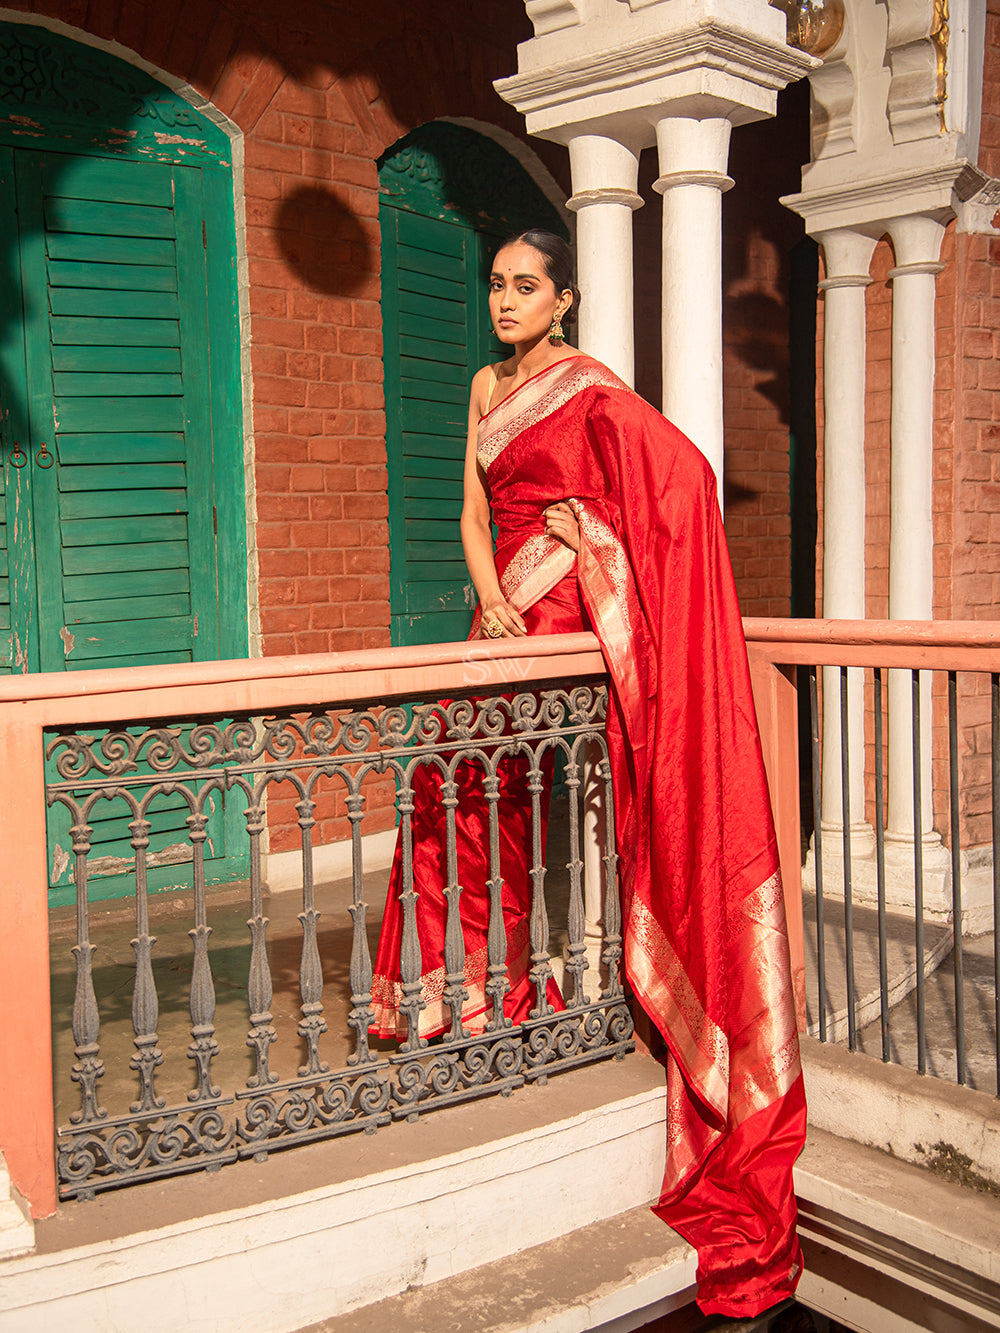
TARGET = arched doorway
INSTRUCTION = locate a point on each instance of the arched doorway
(122, 515)
(448, 194)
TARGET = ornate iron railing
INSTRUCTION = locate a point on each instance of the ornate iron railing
(205, 762)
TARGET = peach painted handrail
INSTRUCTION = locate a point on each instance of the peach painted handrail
(958, 645)
(28, 704)
(532, 655)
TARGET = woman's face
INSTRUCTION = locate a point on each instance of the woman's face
(523, 298)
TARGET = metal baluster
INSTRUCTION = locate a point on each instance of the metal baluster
(362, 1013)
(412, 1002)
(541, 970)
(883, 946)
(203, 1047)
(145, 1008)
(576, 962)
(259, 989)
(817, 787)
(89, 1066)
(956, 877)
(995, 812)
(845, 797)
(313, 1024)
(918, 877)
(612, 907)
(455, 993)
(496, 936)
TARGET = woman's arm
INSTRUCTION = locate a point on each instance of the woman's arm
(477, 534)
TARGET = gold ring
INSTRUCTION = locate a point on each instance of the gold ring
(492, 629)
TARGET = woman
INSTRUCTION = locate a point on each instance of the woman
(607, 517)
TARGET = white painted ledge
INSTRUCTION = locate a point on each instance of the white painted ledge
(277, 1266)
(900, 1112)
(613, 1277)
(892, 1248)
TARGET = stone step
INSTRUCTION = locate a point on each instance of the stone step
(616, 1275)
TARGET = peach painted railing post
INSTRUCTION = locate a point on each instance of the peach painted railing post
(26, 1115)
(777, 716)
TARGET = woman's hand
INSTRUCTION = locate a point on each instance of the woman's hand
(560, 521)
(506, 616)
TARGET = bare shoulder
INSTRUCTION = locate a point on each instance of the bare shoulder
(483, 383)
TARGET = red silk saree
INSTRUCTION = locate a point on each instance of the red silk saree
(705, 948)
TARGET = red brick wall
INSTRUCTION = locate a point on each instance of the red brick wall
(319, 90)
(878, 405)
(647, 247)
(318, 96)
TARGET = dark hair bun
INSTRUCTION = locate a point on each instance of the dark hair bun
(557, 260)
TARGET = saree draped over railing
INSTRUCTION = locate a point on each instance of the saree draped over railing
(705, 947)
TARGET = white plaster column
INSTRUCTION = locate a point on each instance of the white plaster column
(693, 156)
(917, 243)
(847, 254)
(605, 173)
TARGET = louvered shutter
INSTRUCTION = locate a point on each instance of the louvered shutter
(430, 291)
(113, 274)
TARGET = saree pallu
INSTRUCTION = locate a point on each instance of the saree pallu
(705, 949)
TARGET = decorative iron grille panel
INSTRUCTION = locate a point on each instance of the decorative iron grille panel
(250, 759)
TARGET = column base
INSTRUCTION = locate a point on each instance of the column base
(976, 876)
(862, 837)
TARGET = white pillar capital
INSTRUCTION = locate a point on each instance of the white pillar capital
(847, 254)
(685, 145)
(600, 163)
(581, 199)
(916, 240)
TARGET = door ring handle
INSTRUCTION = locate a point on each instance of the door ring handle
(43, 458)
(18, 458)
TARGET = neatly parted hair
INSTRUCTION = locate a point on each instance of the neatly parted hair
(557, 262)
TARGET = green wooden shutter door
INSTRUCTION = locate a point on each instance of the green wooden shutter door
(122, 538)
(110, 522)
(113, 273)
(449, 195)
(17, 572)
(431, 273)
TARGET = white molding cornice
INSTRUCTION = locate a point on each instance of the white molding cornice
(940, 188)
(643, 77)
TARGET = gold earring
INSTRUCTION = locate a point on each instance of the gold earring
(556, 335)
